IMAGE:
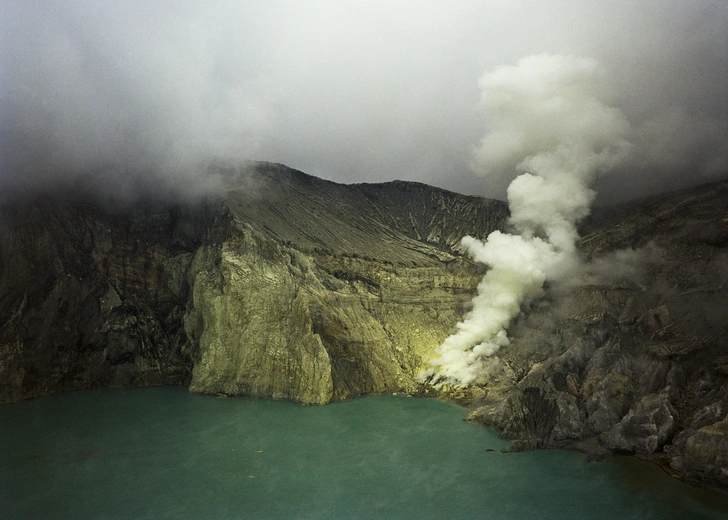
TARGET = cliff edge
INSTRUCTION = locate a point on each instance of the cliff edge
(287, 286)
(632, 358)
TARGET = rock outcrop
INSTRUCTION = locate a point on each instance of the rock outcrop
(632, 358)
(290, 287)
(287, 287)
(92, 299)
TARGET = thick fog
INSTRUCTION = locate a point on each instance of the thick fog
(128, 95)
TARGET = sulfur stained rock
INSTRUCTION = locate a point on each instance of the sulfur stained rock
(253, 331)
(271, 321)
(290, 287)
(284, 286)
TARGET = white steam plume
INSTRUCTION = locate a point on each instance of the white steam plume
(549, 121)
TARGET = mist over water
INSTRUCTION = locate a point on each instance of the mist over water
(165, 453)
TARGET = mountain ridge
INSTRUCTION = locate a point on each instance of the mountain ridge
(287, 286)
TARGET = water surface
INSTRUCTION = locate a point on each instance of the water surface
(165, 453)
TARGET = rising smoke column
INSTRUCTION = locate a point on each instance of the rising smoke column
(550, 122)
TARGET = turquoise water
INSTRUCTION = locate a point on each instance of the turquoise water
(165, 453)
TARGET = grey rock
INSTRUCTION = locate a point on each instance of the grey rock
(640, 351)
(647, 427)
(285, 286)
(704, 458)
(291, 287)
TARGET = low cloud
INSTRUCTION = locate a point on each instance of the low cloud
(346, 90)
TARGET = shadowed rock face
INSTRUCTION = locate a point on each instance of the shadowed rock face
(636, 361)
(89, 299)
(292, 287)
(289, 287)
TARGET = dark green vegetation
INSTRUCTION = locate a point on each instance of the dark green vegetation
(292, 287)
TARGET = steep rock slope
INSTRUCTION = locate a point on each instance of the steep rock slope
(292, 287)
(90, 299)
(635, 360)
(326, 291)
(286, 286)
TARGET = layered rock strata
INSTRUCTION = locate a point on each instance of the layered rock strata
(287, 287)
(291, 287)
(634, 357)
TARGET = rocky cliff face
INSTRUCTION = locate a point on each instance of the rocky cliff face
(90, 299)
(636, 360)
(291, 287)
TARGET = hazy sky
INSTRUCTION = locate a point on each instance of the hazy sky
(350, 91)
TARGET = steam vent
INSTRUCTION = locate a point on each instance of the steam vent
(287, 286)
